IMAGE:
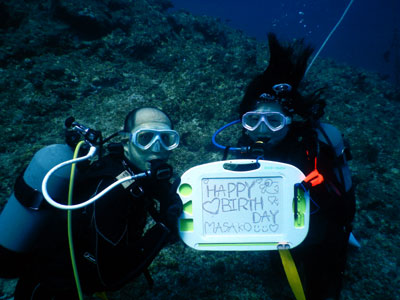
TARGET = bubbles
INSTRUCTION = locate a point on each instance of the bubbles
(302, 21)
(298, 19)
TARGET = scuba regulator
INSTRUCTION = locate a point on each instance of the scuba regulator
(94, 140)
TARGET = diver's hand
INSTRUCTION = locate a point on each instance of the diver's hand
(160, 170)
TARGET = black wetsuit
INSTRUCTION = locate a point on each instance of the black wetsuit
(111, 247)
(321, 257)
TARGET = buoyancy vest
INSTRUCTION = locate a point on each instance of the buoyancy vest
(318, 148)
(331, 136)
(113, 245)
(341, 184)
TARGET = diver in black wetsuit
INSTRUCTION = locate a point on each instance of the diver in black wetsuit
(279, 124)
(110, 241)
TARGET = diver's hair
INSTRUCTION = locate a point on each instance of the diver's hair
(130, 119)
(287, 64)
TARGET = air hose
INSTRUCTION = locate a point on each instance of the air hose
(69, 223)
(101, 295)
(91, 153)
(214, 137)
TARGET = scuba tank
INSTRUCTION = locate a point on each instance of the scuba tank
(26, 216)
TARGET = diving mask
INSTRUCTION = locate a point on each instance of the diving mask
(275, 121)
(145, 138)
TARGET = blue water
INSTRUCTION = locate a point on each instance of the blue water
(368, 37)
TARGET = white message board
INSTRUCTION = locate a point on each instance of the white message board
(227, 209)
(241, 205)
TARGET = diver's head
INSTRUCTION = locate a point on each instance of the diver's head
(280, 81)
(150, 137)
(267, 122)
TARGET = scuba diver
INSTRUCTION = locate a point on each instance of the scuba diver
(279, 124)
(112, 239)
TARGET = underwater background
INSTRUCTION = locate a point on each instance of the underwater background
(97, 60)
(367, 37)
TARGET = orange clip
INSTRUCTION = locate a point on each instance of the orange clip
(314, 178)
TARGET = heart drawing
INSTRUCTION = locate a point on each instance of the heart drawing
(273, 227)
(212, 207)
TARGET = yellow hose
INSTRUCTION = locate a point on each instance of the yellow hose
(69, 223)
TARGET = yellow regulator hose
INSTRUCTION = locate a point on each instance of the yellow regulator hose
(69, 222)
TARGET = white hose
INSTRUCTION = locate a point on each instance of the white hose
(91, 153)
(46, 195)
(93, 199)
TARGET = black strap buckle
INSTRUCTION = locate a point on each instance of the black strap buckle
(26, 195)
